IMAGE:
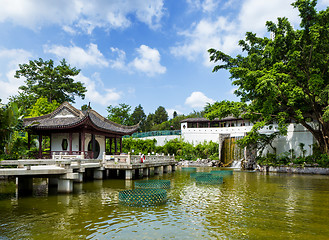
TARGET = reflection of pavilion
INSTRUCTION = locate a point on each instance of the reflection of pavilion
(72, 131)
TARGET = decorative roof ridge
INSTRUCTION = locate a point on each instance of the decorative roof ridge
(37, 118)
(56, 111)
(70, 107)
(111, 122)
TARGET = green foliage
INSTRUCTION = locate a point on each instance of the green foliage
(172, 124)
(160, 115)
(149, 123)
(138, 116)
(85, 107)
(138, 145)
(43, 79)
(10, 124)
(284, 78)
(120, 114)
(42, 107)
(289, 159)
(224, 109)
(181, 149)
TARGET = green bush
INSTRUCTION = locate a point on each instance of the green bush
(321, 160)
(181, 149)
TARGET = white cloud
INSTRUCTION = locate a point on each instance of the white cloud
(119, 62)
(78, 56)
(204, 35)
(81, 14)
(171, 112)
(148, 61)
(254, 14)
(69, 30)
(96, 92)
(9, 60)
(223, 33)
(198, 100)
(204, 5)
(324, 3)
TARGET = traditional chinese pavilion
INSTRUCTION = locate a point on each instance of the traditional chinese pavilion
(72, 131)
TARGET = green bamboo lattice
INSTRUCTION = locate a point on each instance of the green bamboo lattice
(197, 174)
(209, 179)
(143, 197)
(189, 169)
(153, 184)
(222, 173)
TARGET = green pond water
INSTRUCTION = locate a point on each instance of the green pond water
(248, 205)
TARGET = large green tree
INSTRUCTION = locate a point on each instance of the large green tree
(160, 115)
(283, 78)
(120, 114)
(138, 116)
(44, 79)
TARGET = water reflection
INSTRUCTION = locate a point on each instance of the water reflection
(246, 206)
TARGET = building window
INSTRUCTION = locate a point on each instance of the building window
(97, 148)
(64, 144)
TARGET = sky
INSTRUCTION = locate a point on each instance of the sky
(148, 52)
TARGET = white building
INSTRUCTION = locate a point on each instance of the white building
(198, 130)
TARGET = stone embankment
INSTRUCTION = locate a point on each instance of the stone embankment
(302, 170)
(200, 163)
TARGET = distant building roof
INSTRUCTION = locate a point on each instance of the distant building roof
(66, 117)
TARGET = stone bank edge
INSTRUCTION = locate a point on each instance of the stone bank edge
(299, 170)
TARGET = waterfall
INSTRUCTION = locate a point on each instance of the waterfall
(231, 154)
(236, 164)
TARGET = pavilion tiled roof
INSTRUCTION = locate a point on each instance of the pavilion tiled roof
(66, 116)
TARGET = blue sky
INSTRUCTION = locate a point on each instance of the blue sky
(148, 52)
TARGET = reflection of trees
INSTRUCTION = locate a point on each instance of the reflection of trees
(61, 216)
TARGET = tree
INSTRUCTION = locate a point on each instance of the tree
(174, 114)
(120, 114)
(85, 107)
(138, 116)
(160, 115)
(43, 79)
(286, 78)
(42, 107)
(10, 122)
(149, 123)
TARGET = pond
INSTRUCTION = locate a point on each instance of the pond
(248, 205)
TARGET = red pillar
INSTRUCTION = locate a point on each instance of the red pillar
(111, 145)
(28, 140)
(83, 143)
(115, 145)
(70, 143)
(40, 146)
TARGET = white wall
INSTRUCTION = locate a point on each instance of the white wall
(296, 134)
(57, 138)
(101, 141)
(199, 135)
